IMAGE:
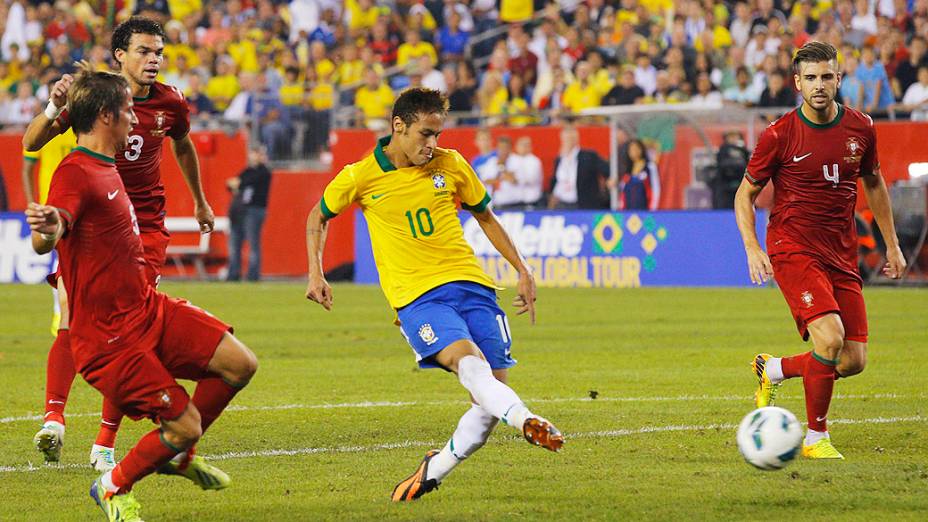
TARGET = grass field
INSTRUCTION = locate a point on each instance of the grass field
(337, 414)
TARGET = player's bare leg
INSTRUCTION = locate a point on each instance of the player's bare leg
(234, 364)
(492, 400)
(112, 491)
(853, 359)
(827, 334)
(59, 376)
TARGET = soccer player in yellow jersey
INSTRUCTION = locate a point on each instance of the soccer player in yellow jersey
(445, 303)
(47, 159)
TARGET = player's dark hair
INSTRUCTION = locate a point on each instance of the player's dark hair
(814, 52)
(419, 100)
(135, 25)
(93, 94)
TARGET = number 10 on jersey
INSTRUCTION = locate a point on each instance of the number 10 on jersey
(833, 178)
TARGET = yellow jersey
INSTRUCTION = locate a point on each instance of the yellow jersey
(49, 156)
(374, 103)
(416, 236)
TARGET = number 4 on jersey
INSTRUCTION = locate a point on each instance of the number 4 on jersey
(833, 178)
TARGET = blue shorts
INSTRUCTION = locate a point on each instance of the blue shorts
(455, 311)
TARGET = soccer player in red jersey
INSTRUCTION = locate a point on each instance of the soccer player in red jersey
(162, 111)
(814, 155)
(128, 340)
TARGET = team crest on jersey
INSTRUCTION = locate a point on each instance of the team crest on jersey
(806, 298)
(159, 129)
(427, 334)
(438, 181)
(855, 150)
(165, 399)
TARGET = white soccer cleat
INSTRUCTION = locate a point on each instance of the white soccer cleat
(49, 441)
(102, 458)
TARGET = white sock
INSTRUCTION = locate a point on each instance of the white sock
(774, 369)
(813, 436)
(55, 300)
(107, 481)
(179, 458)
(472, 432)
(495, 397)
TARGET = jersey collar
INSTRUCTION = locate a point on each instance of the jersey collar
(828, 125)
(95, 155)
(381, 156)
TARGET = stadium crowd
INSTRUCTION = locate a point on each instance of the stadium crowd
(287, 65)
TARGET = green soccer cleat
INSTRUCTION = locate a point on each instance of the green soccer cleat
(49, 441)
(823, 449)
(117, 508)
(766, 390)
(198, 471)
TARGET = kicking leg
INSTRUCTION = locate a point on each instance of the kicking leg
(818, 380)
(113, 490)
(234, 364)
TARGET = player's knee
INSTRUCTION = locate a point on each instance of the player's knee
(184, 432)
(853, 365)
(245, 367)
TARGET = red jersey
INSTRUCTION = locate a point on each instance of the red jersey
(814, 169)
(100, 256)
(163, 113)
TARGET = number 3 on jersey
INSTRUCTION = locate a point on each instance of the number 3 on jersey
(135, 147)
(833, 178)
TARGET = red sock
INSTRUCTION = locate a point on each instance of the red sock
(210, 397)
(149, 454)
(819, 382)
(109, 424)
(59, 374)
(795, 366)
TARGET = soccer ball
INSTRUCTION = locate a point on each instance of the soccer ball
(769, 437)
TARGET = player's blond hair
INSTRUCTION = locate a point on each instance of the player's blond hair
(92, 94)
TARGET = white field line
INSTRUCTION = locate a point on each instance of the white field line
(422, 443)
(402, 404)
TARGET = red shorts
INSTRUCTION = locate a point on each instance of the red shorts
(154, 250)
(812, 290)
(141, 379)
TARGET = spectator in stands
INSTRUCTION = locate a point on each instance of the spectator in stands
(374, 101)
(744, 92)
(777, 93)
(384, 44)
(523, 61)
(730, 162)
(864, 19)
(200, 104)
(877, 91)
(485, 163)
(461, 88)
(451, 41)
(23, 107)
(852, 89)
(706, 93)
(223, 86)
(319, 104)
(907, 71)
(741, 26)
(639, 185)
(529, 173)
(247, 214)
(626, 92)
(241, 107)
(431, 77)
(582, 93)
(413, 47)
(916, 96)
(491, 96)
(157, 10)
(760, 46)
(580, 175)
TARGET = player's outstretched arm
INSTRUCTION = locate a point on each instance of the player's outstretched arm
(758, 263)
(45, 125)
(317, 227)
(47, 228)
(878, 198)
(27, 173)
(186, 155)
(525, 300)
